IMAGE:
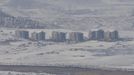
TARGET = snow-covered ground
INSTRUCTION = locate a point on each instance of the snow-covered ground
(99, 54)
(21, 73)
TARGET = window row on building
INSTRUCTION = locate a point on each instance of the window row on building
(99, 35)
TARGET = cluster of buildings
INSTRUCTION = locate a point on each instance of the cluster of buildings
(58, 36)
(76, 37)
(99, 35)
(22, 34)
(38, 36)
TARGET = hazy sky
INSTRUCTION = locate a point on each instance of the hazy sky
(119, 1)
(83, 1)
(3, 1)
(66, 3)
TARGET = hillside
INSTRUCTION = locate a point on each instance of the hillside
(73, 14)
(9, 21)
(69, 14)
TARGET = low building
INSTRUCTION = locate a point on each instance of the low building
(38, 36)
(58, 36)
(22, 34)
(112, 35)
(76, 36)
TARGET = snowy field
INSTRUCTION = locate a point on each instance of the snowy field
(21, 73)
(98, 54)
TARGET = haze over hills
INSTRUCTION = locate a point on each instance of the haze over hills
(75, 14)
